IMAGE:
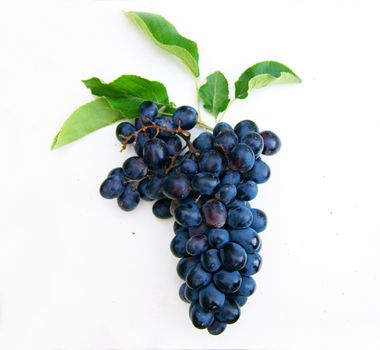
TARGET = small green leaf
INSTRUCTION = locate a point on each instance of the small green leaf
(87, 118)
(165, 35)
(214, 93)
(127, 92)
(262, 74)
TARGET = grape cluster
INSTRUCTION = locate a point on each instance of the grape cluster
(206, 185)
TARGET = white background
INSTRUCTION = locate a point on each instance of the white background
(72, 274)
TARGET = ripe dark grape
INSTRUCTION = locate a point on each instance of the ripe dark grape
(161, 208)
(112, 187)
(186, 117)
(245, 127)
(206, 185)
(272, 143)
(211, 299)
(125, 130)
(247, 190)
(204, 142)
(259, 221)
(148, 111)
(155, 153)
(129, 199)
(135, 168)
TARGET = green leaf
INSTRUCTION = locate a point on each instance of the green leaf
(262, 74)
(165, 35)
(214, 93)
(87, 118)
(127, 92)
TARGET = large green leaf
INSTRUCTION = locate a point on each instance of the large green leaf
(127, 92)
(165, 35)
(87, 118)
(214, 93)
(262, 74)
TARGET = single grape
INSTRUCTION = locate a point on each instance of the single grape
(177, 227)
(154, 187)
(235, 203)
(210, 260)
(112, 187)
(196, 245)
(255, 141)
(119, 172)
(186, 117)
(185, 264)
(214, 213)
(204, 142)
(248, 286)
(220, 127)
(181, 292)
(189, 167)
(143, 190)
(239, 217)
(241, 158)
(210, 298)
(260, 221)
(178, 245)
(125, 130)
(197, 277)
(135, 168)
(227, 281)
(233, 256)
(247, 190)
(161, 208)
(204, 183)
(226, 193)
(176, 186)
(201, 229)
(129, 199)
(272, 143)
(230, 312)
(225, 141)
(155, 153)
(174, 145)
(218, 237)
(254, 262)
(188, 214)
(245, 127)
(211, 162)
(247, 238)
(259, 173)
(238, 299)
(192, 295)
(165, 123)
(216, 327)
(148, 111)
(231, 177)
(200, 317)
(142, 137)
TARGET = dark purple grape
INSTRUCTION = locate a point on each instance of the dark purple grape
(226, 193)
(272, 143)
(233, 256)
(245, 127)
(184, 265)
(214, 213)
(204, 183)
(174, 145)
(142, 137)
(248, 286)
(260, 221)
(231, 177)
(200, 317)
(161, 208)
(216, 327)
(197, 277)
(112, 187)
(255, 141)
(148, 111)
(247, 238)
(192, 295)
(201, 229)
(188, 214)
(241, 158)
(154, 187)
(125, 130)
(225, 141)
(211, 162)
(135, 168)
(204, 142)
(254, 262)
(210, 260)
(227, 281)
(220, 127)
(178, 245)
(230, 312)
(239, 217)
(196, 245)
(119, 172)
(129, 199)
(247, 190)
(218, 237)
(189, 167)
(186, 117)
(143, 190)
(210, 298)
(259, 173)
(181, 292)
(155, 153)
(176, 186)
(165, 123)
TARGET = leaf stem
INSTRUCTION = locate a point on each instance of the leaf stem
(204, 125)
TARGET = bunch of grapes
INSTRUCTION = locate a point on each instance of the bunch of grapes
(206, 185)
